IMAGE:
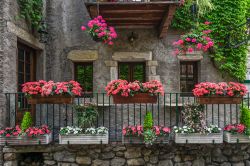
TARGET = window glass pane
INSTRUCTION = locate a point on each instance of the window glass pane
(21, 54)
(27, 57)
(188, 76)
(80, 74)
(84, 75)
(138, 73)
(20, 67)
(124, 71)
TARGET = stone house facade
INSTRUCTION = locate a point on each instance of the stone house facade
(68, 46)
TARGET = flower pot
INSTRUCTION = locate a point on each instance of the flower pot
(193, 56)
(137, 98)
(25, 140)
(219, 100)
(197, 138)
(84, 139)
(56, 99)
(236, 138)
(140, 140)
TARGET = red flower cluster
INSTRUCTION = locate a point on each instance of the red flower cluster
(194, 41)
(138, 130)
(35, 131)
(44, 88)
(98, 29)
(11, 131)
(235, 128)
(125, 88)
(232, 89)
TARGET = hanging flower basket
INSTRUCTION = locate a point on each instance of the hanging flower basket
(219, 100)
(137, 98)
(57, 99)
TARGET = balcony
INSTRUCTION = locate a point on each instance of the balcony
(135, 14)
(166, 112)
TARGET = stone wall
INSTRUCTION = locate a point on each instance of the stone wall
(119, 155)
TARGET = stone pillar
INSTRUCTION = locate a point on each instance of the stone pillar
(113, 69)
(151, 71)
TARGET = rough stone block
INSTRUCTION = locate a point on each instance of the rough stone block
(83, 160)
(65, 156)
(9, 156)
(134, 162)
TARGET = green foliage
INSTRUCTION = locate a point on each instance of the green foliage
(32, 11)
(86, 114)
(245, 116)
(149, 137)
(26, 121)
(226, 14)
(148, 121)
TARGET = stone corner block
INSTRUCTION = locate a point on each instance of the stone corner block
(152, 63)
(82, 55)
(132, 56)
(111, 63)
(155, 77)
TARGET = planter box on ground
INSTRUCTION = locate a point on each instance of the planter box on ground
(84, 139)
(25, 140)
(197, 138)
(140, 140)
(236, 138)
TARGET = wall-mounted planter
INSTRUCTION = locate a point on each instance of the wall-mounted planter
(219, 100)
(25, 140)
(137, 98)
(57, 99)
(84, 139)
(236, 138)
(140, 140)
(197, 138)
(194, 56)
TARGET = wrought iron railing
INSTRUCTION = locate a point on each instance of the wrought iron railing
(166, 112)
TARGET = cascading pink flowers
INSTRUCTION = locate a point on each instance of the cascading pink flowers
(235, 128)
(125, 88)
(232, 89)
(138, 130)
(98, 29)
(49, 88)
(196, 40)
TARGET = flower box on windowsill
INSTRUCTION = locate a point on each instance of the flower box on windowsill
(84, 139)
(219, 100)
(140, 140)
(193, 56)
(26, 140)
(197, 138)
(137, 98)
(55, 99)
(236, 138)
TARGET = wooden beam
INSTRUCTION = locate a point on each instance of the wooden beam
(166, 21)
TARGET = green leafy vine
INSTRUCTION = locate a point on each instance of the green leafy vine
(226, 15)
(32, 11)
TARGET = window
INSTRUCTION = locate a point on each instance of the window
(132, 71)
(188, 76)
(84, 75)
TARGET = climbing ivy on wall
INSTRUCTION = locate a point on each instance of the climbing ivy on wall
(32, 11)
(226, 14)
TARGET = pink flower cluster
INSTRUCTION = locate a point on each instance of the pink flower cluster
(99, 29)
(194, 41)
(35, 131)
(232, 89)
(235, 128)
(125, 88)
(44, 88)
(138, 130)
(11, 131)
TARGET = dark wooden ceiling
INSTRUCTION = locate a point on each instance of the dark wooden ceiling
(135, 14)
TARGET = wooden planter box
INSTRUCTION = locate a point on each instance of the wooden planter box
(219, 100)
(236, 138)
(25, 140)
(197, 138)
(84, 139)
(140, 140)
(57, 99)
(137, 98)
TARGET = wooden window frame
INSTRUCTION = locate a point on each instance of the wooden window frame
(195, 74)
(131, 67)
(84, 64)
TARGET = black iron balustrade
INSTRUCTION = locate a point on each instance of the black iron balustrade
(166, 112)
